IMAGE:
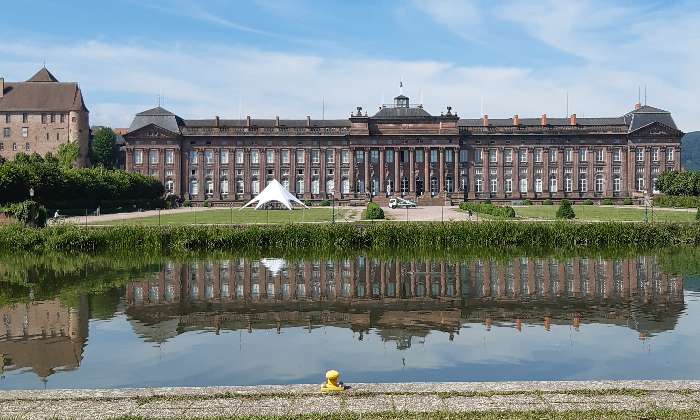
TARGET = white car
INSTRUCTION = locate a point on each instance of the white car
(400, 202)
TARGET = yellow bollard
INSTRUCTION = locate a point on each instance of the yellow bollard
(332, 383)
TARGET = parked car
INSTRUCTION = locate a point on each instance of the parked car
(397, 202)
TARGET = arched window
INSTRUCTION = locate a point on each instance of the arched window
(419, 186)
(300, 185)
(404, 185)
(345, 186)
(389, 186)
(434, 186)
(194, 187)
(330, 186)
(448, 184)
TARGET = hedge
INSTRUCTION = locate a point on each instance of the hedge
(488, 208)
(60, 187)
(343, 238)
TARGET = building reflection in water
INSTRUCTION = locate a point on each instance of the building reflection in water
(44, 336)
(402, 300)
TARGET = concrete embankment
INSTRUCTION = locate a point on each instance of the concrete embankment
(675, 397)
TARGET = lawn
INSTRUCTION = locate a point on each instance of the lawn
(236, 216)
(604, 213)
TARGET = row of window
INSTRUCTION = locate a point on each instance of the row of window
(599, 185)
(390, 155)
(255, 186)
(15, 147)
(45, 118)
(7, 132)
(522, 155)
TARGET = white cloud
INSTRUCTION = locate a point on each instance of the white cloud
(203, 80)
(459, 16)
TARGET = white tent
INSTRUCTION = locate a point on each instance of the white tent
(274, 192)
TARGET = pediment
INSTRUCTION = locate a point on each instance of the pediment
(152, 131)
(657, 129)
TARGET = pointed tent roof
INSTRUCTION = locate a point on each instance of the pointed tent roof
(43, 75)
(274, 192)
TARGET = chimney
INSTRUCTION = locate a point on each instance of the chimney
(308, 121)
(543, 120)
(277, 121)
(516, 119)
(247, 121)
(573, 119)
(217, 121)
(2, 87)
(485, 120)
(637, 106)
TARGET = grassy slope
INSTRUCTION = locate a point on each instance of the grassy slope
(488, 415)
(605, 213)
(236, 216)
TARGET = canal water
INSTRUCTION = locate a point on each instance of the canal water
(98, 323)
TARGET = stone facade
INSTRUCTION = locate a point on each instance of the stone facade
(403, 150)
(40, 114)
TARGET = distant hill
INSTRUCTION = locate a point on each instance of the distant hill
(691, 151)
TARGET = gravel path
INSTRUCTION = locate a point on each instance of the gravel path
(361, 398)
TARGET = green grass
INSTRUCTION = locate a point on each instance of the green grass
(238, 216)
(604, 213)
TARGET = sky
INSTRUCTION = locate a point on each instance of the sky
(323, 58)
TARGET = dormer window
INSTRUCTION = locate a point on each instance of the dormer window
(401, 101)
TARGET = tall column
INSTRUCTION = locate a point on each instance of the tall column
(607, 172)
(560, 171)
(177, 172)
(200, 174)
(368, 186)
(471, 186)
(590, 176)
(397, 172)
(545, 171)
(630, 180)
(647, 169)
(426, 168)
(277, 155)
(322, 172)
(530, 172)
(351, 172)
(293, 171)
(486, 177)
(574, 171)
(441, 182)
(411, 171)
(455, 175)
(500, 185)
(216, 176)
(516, 172)
(337, 173)
(382, 191)
(307, 173)
(247, 174)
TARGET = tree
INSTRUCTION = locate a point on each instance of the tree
(68, 154)
(103, 147)
(565, 211)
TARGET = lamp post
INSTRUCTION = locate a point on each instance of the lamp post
(332, 207)
(646, 215)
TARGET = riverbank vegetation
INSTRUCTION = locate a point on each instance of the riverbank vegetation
(344, 237)
(680, 189)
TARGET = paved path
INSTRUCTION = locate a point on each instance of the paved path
(426, 214)
(362, 398)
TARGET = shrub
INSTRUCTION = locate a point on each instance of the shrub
(28, 212)
(487, 201)
(606, 202)
(565, 211)
(680, 201)
(588, 202)
(373, 212)
(547, 202)
(697, 214)
(308, 203)
(325, 203)
(627, 201)
(527, 202)
(487, 208)
(206, 203)
(186, 203)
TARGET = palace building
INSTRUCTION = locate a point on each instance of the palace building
(39, 115)
(402, 150)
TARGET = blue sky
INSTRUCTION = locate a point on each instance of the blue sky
(275, 57)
